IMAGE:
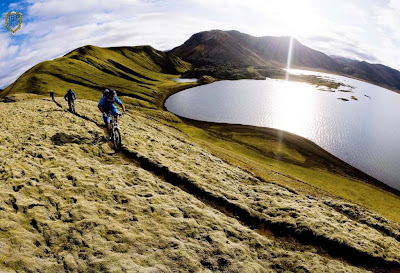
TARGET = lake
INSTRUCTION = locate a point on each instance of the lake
(184, 80)
(364, 132)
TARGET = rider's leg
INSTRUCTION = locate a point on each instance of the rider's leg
(106, 120)
(114, 112)
(70, 105)
(107, 124)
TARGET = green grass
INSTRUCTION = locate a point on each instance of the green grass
(69, 200)
(303, 168)
(135, 72)
(69, 203)
(141, 77)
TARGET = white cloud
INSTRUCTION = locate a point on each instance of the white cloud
(6, 48)
(357, 29)
(55, 8)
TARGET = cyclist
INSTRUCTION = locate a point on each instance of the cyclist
(70, 97)
(106, 105)
(52, 95)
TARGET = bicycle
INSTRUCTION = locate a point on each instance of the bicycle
(71, 106)
(115, 135)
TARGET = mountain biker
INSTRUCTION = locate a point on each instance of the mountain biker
(70, 97)
(52, 95)
(106, 105)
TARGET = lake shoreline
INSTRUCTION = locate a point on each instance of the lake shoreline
(290, 137)
(306, 144)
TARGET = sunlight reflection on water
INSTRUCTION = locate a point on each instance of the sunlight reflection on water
(362, 132)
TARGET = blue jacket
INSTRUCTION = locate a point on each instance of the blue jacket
(108, 105)
(70, 96)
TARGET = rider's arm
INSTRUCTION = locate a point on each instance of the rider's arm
(65, 97)
(101, 103)
(119, 102)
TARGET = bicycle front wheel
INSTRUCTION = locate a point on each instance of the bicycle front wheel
(117, 139)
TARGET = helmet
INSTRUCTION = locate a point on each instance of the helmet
(111, 94)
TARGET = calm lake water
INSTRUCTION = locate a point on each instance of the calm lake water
(184, 80)
(364, 132)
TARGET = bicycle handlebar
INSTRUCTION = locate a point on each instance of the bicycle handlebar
(110, 114)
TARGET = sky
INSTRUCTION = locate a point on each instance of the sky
(359, 29)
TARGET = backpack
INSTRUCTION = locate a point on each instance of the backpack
(110, 94)
(106, 92)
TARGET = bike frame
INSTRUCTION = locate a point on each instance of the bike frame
(113, 121)
(114, 129)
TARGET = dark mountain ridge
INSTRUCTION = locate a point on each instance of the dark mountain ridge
(236, 48)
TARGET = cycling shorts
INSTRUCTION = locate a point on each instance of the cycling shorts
(114, 112)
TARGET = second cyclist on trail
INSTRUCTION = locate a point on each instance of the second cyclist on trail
(70, 97)
(106, 106)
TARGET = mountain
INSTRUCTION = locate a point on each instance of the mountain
(376, 73)
(234, 47)
(218, 45)
(133, 71)
(237, 47)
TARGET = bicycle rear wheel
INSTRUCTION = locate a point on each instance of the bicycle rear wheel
(117, 139)
(71, 107)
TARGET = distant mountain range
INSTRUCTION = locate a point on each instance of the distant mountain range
(239, 48)
(221, 54)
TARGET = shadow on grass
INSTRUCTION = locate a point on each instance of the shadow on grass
(263, 225)
(7, 100)
(266, 226)
(89, 119)
(79, 115)
(62, 139)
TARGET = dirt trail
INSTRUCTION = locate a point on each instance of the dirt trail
(70, 203)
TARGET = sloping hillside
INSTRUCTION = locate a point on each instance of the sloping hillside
(234, 47)
(134, 71)
(171, 201)
(69, 203)
(371, 72)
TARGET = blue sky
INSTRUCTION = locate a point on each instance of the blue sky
(360, 29)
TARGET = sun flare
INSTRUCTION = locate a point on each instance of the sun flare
(292, 117)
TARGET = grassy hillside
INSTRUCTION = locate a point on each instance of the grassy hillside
(92, 68)
(69, 203)
(135, 72)
(293, 162)
(181, 196)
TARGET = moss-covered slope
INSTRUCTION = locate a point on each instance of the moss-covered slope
(69, 203)
(133, 71)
